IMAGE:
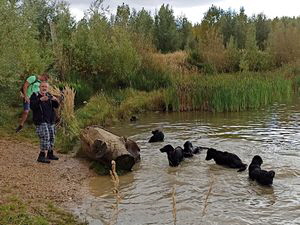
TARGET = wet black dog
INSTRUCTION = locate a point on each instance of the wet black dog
(157, 136)
(175, 156)
(189, 150)
(226, 159)
(134, 118)
(256, 173)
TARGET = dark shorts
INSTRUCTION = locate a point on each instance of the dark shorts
(26, 106)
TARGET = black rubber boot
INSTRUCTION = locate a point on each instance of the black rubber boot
(42, 158)
(51, 156)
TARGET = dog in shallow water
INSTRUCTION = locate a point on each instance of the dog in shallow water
(226, 159)
(189, 150)
(256, 173)
(157, 136)
(175, 156)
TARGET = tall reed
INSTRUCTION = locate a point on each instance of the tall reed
(68, 122)
(174, 211)
(67, 111)
(116, 192)
(207, 196)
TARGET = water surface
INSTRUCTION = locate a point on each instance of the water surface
(273, 133)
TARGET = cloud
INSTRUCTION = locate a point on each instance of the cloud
(194, 9)
(147, 3)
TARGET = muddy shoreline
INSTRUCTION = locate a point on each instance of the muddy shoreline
(63, 182)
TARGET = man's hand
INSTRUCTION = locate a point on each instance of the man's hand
(44, 98)
(54, 98)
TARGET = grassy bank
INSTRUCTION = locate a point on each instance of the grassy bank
(186, 92)
(16, 212)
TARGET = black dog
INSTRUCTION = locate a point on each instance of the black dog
(256, 173)
(225, 158)
(175, 156)
(134, 118)
(157, 136)
(189, 150)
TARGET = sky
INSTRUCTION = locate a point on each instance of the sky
(194, 9)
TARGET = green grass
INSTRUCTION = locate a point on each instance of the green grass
(16, 212)
(227, 92)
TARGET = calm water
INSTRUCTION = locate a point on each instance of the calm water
(273, 133)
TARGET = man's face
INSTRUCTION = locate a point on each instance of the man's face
(44, 87)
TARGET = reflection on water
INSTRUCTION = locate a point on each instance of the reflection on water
(272, 133)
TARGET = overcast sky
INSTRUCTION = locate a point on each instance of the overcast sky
(194, 9)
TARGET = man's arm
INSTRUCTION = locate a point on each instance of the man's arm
(25, 87)
(55, 102)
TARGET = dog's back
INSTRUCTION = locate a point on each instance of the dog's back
(256, 173)
(227, 159)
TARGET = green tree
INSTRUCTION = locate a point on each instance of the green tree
(165, 31)
(185, 32)
(20, 49)
(240, 28)
(233, 55)
(142, 23)
(212, 17)
(262, 30)
(62, 27)
(123, 15)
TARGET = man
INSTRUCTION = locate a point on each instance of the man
(30, 86)
(42, 105)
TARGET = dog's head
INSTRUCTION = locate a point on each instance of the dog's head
(188, 145)
(210, 154)
(257, 160)
(154, 132)
(167, 148)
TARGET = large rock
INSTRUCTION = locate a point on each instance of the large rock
(103, 146)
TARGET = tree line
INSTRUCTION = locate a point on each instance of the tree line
(99, 51)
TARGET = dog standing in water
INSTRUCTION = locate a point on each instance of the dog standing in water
(226, 159)
(175, 156)
(256, 173)
(157, 136)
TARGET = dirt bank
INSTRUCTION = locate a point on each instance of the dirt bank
(63, 181)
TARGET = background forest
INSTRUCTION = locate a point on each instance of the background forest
(136, 61)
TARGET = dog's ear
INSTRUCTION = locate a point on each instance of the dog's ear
(272, 173)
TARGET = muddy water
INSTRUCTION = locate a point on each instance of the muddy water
(273, 133)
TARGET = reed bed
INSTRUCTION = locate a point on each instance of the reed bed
(116, 192)
(224, 93)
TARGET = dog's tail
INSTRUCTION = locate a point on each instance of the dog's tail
(243, 167)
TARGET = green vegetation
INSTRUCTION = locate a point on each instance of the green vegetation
(14, 212)
(137, 61)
